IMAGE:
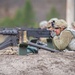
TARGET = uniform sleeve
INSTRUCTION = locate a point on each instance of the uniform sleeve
(62, 41)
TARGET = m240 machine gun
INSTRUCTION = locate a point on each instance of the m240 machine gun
(12, 36)
(8, 37)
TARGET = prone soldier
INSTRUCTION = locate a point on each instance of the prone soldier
(65, 38)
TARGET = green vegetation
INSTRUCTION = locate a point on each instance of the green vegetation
(29, 18)
(24, 17)
(5, 22)
(53, 14)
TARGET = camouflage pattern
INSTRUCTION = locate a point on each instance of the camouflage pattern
(73, 24)
(51, 20)
(60, 23)
(71, 45)
(61, 42)
(43, 24)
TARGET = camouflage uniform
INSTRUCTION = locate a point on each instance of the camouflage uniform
(50, 22)
(43, 24)
(65, 39)
(71, 45)
(73, 25)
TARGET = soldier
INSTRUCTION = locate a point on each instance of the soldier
(64, 38)
(73, 25)
(43, 24)
(50, 24)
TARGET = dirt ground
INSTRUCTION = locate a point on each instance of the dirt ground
(43, 63)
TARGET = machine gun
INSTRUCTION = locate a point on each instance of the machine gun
(12, 36)
(42, 47)
(8, 37)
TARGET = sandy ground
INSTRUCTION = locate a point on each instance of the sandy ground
(43, 63)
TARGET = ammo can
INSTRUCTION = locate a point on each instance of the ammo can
(49, 43)
(23, 49)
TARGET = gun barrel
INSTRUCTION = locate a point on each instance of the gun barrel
(42, 47)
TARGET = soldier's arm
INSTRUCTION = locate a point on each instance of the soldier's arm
(62, 41)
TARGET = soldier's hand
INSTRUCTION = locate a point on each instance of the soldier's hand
(53, 34)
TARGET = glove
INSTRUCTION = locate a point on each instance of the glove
(53, 34)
